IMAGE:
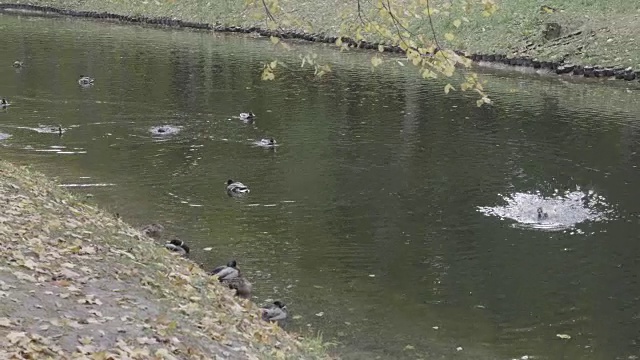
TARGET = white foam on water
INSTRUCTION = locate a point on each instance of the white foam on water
(564, 210)
(87, 185)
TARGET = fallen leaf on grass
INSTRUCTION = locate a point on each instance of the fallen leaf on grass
(4, 286)
(15, 337)
(146, 341)
(95, 312)
(23, 276)
(86, 349)
(164, 354)
(30, 264)
(85, 340)
(89, 250)
(90, 300)
(5, 322)
(121, 252)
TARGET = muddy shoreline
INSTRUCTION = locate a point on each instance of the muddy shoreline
(552, 67)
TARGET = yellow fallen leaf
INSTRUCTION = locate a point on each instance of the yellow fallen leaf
(5, 322)
(29, 264)
(15, 337)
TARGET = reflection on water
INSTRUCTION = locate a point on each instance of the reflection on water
(557, 212)
(365, 221)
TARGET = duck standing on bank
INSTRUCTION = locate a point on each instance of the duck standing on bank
(178, 246)
(236, 188)
(276, 312)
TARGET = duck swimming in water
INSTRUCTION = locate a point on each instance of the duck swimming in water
(241, 285)
(177, 246)
(267, 143)
(85, 80)
(153, 231)
(276, 312)
(236, 188)
(226, 272)
(542, 215)
(247, 116)
(18, 64)
(3, 103)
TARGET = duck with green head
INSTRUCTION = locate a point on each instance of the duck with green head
(276, 312)
(226, 272)
(247, 116)
(236, 188)
(269, 143)
(178, 246)
(85, 80)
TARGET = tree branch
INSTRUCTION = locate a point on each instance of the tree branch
(270, 15)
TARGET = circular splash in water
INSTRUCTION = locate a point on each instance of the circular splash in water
(165, 130)
(564, 211)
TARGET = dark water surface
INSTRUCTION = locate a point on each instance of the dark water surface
(368, 219)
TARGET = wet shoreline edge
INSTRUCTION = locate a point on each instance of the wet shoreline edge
(551, 67)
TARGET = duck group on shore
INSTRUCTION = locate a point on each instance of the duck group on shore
(228, 274)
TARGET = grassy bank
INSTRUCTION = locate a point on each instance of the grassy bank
(76, 282)
(592, 32)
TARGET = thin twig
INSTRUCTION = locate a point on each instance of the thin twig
(433, 30)
(360, 13)
(396, 22)
(270, 15)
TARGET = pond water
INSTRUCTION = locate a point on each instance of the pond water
(397, 221)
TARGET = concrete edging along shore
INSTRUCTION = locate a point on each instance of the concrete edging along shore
(557, 67)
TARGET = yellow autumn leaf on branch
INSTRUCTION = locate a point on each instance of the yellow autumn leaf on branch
(448, 88)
